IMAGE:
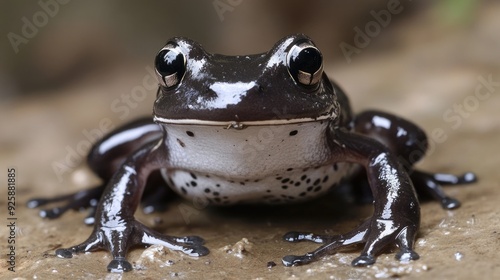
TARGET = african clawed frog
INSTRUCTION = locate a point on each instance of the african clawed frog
(268, 128)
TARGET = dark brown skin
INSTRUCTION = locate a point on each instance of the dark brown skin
(372, 139)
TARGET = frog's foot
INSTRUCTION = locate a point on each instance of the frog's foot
(376, 235)
(117, 240)
(75, 201)
(431, 184)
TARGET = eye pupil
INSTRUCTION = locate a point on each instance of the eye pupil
(170, 65)
(305, 64)
(308, 60)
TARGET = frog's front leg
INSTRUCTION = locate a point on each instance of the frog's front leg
(396, 217)
(409, 143)
(115, 228)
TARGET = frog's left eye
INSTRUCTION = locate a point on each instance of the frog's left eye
(305, 63)
(170, 64)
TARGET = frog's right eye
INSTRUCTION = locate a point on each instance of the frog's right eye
(170, 64)
(305, 63)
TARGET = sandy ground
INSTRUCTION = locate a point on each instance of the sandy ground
(420, 83)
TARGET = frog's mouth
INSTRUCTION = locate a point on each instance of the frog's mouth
(243, 124)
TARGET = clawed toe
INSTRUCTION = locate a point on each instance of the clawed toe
(292, 260)
(119, 265)
(467, 178)
(296, 236)
(192, 240)
(293, 236)
(363, 260)
(52, 213)
(197, 251)
(407, 255)
(64, 253)
(450, 203)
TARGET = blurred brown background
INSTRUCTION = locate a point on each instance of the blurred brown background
(67, 66)
(61, 42)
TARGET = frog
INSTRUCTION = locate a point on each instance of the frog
(268, 128)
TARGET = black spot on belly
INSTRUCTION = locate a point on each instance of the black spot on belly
(335, 167)
(192, 175)
(183, 190)
(190, 133)
(284, 187)
(194, 184)
(325, 178)
(285, 180)
(181, 143)
(317, 182)
(293, 132)
(207, 190)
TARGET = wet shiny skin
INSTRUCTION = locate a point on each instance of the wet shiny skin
(259, 128)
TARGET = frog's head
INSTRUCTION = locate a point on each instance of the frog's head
(285, 85)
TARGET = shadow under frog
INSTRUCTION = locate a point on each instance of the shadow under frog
(266, 128)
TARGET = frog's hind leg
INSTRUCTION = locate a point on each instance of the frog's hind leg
(409, 143)
(430, 184)
(104, 158)
(82, 199)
